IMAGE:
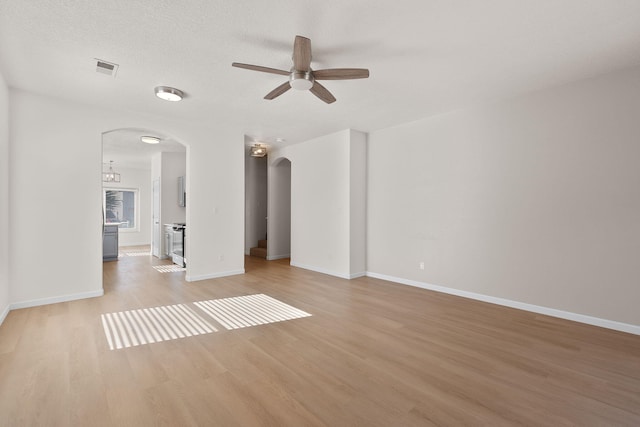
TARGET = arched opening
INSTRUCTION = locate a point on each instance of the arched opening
(279, 209)
(143, 188)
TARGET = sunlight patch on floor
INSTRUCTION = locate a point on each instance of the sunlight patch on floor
(134, 252)
(124, 329)
(137, 253)
(168, 268)
(249, 310)
(148, 325)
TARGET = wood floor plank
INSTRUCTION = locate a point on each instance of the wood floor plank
(129, 406)
(204, 409)
(88, 402)
(372, 353)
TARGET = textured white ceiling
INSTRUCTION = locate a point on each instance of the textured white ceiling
(425, 56)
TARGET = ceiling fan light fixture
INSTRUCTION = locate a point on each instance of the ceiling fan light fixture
(169, 93)
(150, 139)
(258, 150)
(302, 77)
(301, 80)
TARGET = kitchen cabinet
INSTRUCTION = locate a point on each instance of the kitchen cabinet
(110, 242)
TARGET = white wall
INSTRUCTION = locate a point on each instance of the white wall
(174, 165)
(55, 200)
(4, 200)
(321, 173)
(55, 146)
(255, 200)
(139, 179)
(358, 203)
(534, 200)
(215, 204)
(279, 208)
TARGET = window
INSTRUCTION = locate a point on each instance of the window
(121, 207)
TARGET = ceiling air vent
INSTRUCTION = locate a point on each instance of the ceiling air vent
(108, 68)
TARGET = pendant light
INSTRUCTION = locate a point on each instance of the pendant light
(110, 176)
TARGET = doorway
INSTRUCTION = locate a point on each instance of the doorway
(140, 182)
(256, 193)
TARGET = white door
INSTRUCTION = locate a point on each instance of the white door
(157, 230)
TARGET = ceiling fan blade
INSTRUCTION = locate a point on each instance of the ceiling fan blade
(302, 54)
(321, 92)
(278, 91)
(341, 74)
(260, 68)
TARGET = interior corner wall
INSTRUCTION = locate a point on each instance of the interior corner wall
(4, 200)
(321, 191)
(533, 200)
(255, 200)
(139, 179)
(279, 210)
(357, 203)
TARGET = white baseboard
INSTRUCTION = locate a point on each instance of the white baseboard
(348, 276)
(274, 257)
(54, 300)
(321, 270)
(128, 245)
(213, 275)
(581, 318)
(4, 313)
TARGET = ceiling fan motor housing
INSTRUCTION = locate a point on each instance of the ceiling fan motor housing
(301, 80)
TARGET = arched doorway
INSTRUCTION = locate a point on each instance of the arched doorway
(140, 190)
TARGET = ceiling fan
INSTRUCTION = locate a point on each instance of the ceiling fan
(302, 77)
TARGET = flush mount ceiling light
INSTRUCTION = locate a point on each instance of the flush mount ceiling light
(258, 150)
(150, 139)
(169, 93)
(110, 176)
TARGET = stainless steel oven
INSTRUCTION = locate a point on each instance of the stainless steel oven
(177, 240)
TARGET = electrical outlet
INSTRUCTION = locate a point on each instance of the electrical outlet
(221, 258)
(422, 265)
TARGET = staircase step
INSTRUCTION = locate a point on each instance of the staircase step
(258, 252)
(262, 244)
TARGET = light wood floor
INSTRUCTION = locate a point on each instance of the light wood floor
(374, 353)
